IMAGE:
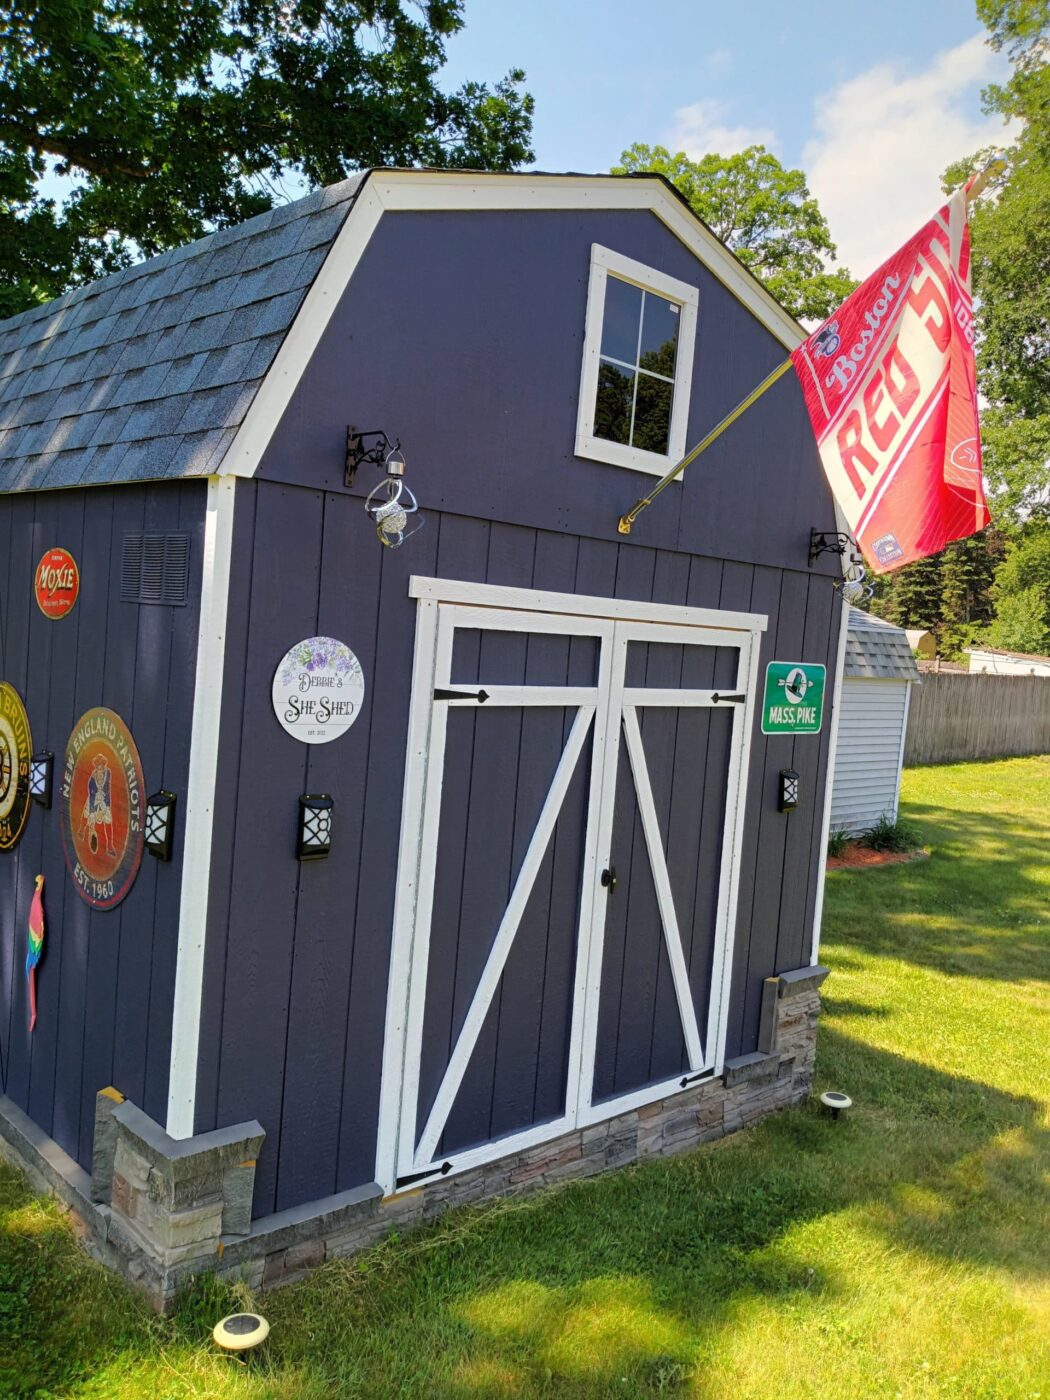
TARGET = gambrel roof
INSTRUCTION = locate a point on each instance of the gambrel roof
(155, 371)
(149, 373)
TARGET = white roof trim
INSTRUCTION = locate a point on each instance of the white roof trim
(400, 190)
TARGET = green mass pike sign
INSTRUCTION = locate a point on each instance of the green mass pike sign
(794, 698)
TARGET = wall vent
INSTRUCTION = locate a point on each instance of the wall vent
(155, 569)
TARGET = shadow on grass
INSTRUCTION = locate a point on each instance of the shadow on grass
(622, 1284)
(630, 1280)
(973, 908)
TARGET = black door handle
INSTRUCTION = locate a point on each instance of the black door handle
(609, 878)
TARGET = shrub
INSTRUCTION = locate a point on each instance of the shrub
(887, 835)
(837, 842)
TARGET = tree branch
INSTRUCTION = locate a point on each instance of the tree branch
(46, 143)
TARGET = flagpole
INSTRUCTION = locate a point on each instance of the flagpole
(994, 167)
(626, 521)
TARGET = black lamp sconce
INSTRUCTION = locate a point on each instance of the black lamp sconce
(382, 453)
(832, 542)
(787, 798)
(160, 824)
(41, 777)
(315, 826)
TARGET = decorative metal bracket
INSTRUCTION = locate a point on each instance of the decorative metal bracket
(717, 699)
(830, 542)
(357, 452)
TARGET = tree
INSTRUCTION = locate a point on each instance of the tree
(765, 214)
(173, 118)
(1011, 268)
(1022, 592)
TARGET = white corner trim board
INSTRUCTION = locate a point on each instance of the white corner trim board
(829, 780)
(419, 190)
(200, 806)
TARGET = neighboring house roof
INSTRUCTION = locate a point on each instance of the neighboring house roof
(149, 373)
(1009, 655)
(877, 650)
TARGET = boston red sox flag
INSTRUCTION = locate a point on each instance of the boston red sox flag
(890, 385)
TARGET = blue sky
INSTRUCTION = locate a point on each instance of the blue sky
(872, 101)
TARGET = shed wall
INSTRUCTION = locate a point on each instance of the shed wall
(868, 760)
(105, 982)
(296, 963)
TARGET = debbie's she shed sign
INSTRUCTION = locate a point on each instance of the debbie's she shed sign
(318, 690)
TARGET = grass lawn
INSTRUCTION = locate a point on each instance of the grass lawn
(904, 1251)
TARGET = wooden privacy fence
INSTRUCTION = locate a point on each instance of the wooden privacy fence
(954, 717)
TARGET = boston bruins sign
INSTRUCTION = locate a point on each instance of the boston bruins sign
(16, 745)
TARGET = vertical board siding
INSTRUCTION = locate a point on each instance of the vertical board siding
(955, 718)
(106, 980)
(297, 957)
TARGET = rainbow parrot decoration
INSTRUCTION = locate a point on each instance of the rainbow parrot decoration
(36, 944)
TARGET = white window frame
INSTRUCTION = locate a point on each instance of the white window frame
(649, 279)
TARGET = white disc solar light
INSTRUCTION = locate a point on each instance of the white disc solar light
(836, 1102)
(241, 1331)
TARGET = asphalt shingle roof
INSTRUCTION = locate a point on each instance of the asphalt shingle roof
(878, 650)
(149, 373)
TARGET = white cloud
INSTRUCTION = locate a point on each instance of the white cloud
(701, 128)
(883, 139)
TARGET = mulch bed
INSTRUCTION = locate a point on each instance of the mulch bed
(856, 857)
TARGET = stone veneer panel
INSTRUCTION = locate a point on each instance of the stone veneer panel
(164, 1211)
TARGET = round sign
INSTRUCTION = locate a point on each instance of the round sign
(56, 583)
(16, 746)
(318, 690)
(102, 808)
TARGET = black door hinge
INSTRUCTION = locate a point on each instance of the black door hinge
(727, 699)
(443, 1170)
(479, 695)
(692, 1078)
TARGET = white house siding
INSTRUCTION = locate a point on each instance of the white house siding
(867, 763)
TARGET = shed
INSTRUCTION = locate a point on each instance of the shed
(922, 642)
(377, 878)
(877, 678)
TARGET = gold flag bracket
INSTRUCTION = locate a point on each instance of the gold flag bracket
(628, 519)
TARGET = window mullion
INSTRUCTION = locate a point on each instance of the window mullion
(637, 367)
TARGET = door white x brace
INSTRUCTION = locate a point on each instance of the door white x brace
(486, 989)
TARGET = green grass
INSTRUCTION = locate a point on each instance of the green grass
(902, 1251)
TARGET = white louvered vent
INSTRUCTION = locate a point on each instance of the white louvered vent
(155, 569)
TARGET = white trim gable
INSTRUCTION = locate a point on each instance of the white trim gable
(417, 190)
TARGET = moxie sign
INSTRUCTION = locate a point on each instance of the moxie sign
(56, 583)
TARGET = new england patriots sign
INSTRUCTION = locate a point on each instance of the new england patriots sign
(890, 384)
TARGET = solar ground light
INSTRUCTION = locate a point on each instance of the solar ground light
(240, 1331)
(838, 1103)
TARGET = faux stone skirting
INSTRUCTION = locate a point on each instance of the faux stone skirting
(160, 1211)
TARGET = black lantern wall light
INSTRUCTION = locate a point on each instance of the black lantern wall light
(391, 503)
(315, 826)
(160, 824)
(41, 777)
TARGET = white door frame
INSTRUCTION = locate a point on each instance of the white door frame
(609, 620)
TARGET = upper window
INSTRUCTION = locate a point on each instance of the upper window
(637, 365)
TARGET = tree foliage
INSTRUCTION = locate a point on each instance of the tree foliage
(765, 214)
(175, 116)
(1011, 268)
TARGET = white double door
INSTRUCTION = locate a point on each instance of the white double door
(568, 869)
